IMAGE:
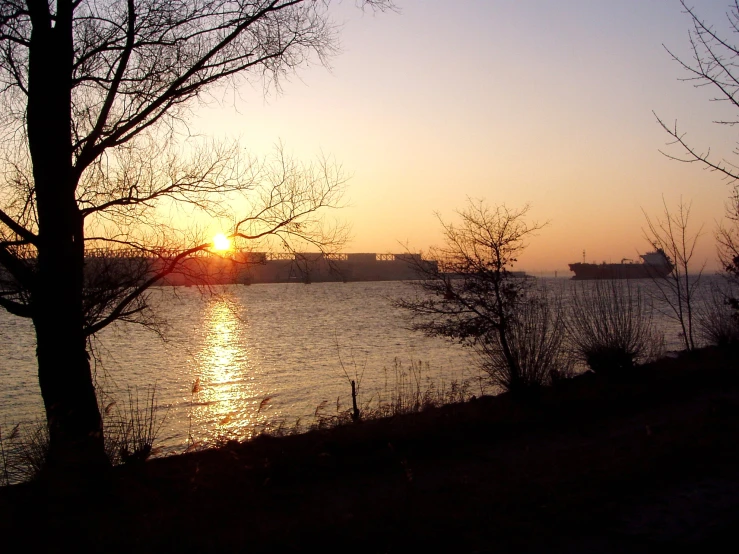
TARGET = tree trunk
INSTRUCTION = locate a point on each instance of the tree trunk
(72, 413)
(503, 329)
(75, 426)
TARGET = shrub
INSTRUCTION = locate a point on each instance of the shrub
(609, 327)
(535, 339)
(717, 320)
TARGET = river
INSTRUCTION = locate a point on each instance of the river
(261, 355)
(241, 358)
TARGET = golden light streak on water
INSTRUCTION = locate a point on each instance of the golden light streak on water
(226, 406)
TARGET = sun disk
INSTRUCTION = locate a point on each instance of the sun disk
(221, 242)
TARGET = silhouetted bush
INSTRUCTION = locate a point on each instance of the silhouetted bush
(717, 320)
(609, 327)
(535, 339)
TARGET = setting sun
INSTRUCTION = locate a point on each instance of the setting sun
(221, 242)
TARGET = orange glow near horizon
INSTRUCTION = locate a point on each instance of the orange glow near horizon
(418, 140)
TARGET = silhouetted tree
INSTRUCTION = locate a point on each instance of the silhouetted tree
(712, 64)
(94, 99)
(471, 295)
(677, 291)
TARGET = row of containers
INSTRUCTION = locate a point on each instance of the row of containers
(262, 267)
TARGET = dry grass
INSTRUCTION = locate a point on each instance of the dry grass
(410, 389)
(23, 452)
(194, 390)
(407, 389)
(6, 449)
(132, 430)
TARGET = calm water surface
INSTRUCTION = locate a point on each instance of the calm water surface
(261, 355)
(291, 344)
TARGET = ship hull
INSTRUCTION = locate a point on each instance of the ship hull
(584, 271)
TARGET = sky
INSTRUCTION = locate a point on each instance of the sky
(547, 102)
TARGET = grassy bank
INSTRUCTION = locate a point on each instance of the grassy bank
(628, 464)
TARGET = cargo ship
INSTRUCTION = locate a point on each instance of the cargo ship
(300, 267)
(654, 265)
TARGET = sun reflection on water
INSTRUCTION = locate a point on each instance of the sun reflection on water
(226, 403)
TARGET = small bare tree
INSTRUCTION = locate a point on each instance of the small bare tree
(713, 63)
(472, 296)
(669, 233)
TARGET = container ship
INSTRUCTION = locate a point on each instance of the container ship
(654, 265)
(300, 267)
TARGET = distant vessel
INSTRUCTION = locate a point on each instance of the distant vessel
(300, 267)
(655, 264)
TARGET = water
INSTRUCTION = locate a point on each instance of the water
(295, 345)
(261, 355)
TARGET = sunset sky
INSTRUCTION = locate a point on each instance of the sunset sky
(547, 102)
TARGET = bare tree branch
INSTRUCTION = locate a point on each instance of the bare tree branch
(669, 233)
(95, 152)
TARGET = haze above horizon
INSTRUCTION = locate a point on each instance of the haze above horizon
(540, 102)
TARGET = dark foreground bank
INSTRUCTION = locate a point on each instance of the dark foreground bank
(649, 461)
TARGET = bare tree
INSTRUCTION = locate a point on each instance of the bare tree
(712, 64)
(94, 97)
(471, 295)
(669, 233)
